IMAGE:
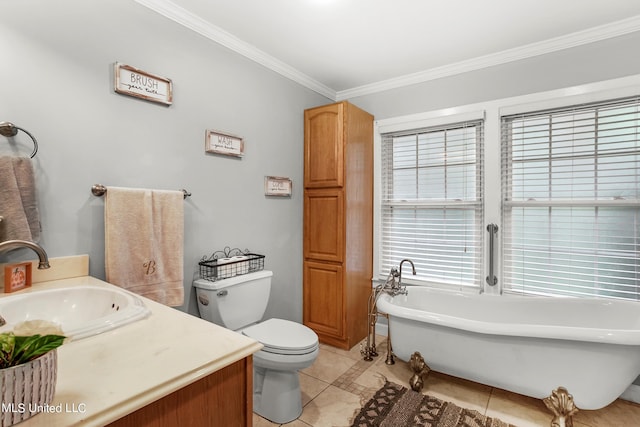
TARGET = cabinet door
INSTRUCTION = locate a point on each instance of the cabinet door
(324, 225)
(223, 398)
(323, 306)
(323, 146)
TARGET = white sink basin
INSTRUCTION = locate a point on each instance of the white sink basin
(81, 311)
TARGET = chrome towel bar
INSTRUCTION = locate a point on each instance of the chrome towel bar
(99, 190)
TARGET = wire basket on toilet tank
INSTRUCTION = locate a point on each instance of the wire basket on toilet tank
(228, 263)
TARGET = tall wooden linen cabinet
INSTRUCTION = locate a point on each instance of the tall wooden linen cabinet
(338, 222)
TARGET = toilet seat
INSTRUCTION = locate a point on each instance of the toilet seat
(279, 336)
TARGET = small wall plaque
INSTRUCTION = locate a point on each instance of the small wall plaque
(140, 84)
(17, 276)
(223, 143)
(277, 186)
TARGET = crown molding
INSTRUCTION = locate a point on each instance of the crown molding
(189, 20)
(599, 33)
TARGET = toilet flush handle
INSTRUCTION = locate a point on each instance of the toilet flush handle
(222, 293)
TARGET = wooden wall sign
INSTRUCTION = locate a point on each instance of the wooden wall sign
(277, 186)
(140, 84)
(223, 143)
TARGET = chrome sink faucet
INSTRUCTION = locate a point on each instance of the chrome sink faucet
(9, 245)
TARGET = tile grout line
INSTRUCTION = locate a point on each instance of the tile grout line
(486, 407)
(346, 381)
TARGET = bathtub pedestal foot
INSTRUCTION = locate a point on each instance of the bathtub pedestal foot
(561, 404)
(420, 369)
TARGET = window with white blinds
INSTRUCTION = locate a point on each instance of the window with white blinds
(431, 203)
(571, 201)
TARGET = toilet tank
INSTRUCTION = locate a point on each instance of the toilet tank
(235, 302)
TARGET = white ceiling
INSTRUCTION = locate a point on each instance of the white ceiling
(345, 48)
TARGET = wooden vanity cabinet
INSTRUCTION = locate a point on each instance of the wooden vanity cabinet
(338, 222)
(223, 398)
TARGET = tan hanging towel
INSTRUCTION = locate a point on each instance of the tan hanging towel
(18, 203)
(144, 247)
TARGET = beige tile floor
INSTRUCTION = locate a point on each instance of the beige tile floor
(336, 385)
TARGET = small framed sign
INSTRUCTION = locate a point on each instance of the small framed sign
(223, 143)
(277, 186)
(17, 276)
(140, 84)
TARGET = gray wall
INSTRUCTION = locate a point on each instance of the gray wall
(56, 80)
(594, 62)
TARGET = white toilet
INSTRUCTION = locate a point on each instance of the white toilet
(239, 303)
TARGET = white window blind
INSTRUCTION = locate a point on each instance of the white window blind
(571, 201)
(431, 203)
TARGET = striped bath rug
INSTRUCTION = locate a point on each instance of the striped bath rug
(397, 406)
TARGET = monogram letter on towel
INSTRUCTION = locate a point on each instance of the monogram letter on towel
(144, 232)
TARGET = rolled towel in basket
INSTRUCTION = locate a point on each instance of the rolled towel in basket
(242, 265)
(225, 267)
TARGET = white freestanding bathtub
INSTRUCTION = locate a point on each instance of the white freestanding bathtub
(528, 345)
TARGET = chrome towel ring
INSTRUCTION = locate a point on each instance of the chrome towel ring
(8, 129)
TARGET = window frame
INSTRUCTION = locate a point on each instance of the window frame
(592, 197)
(491, 111)
(450, 206)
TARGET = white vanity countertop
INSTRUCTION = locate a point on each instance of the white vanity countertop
(106, 376)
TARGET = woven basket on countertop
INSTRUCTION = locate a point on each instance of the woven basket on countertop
(27, 389)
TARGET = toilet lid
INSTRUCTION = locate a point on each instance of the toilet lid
(283, 336)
